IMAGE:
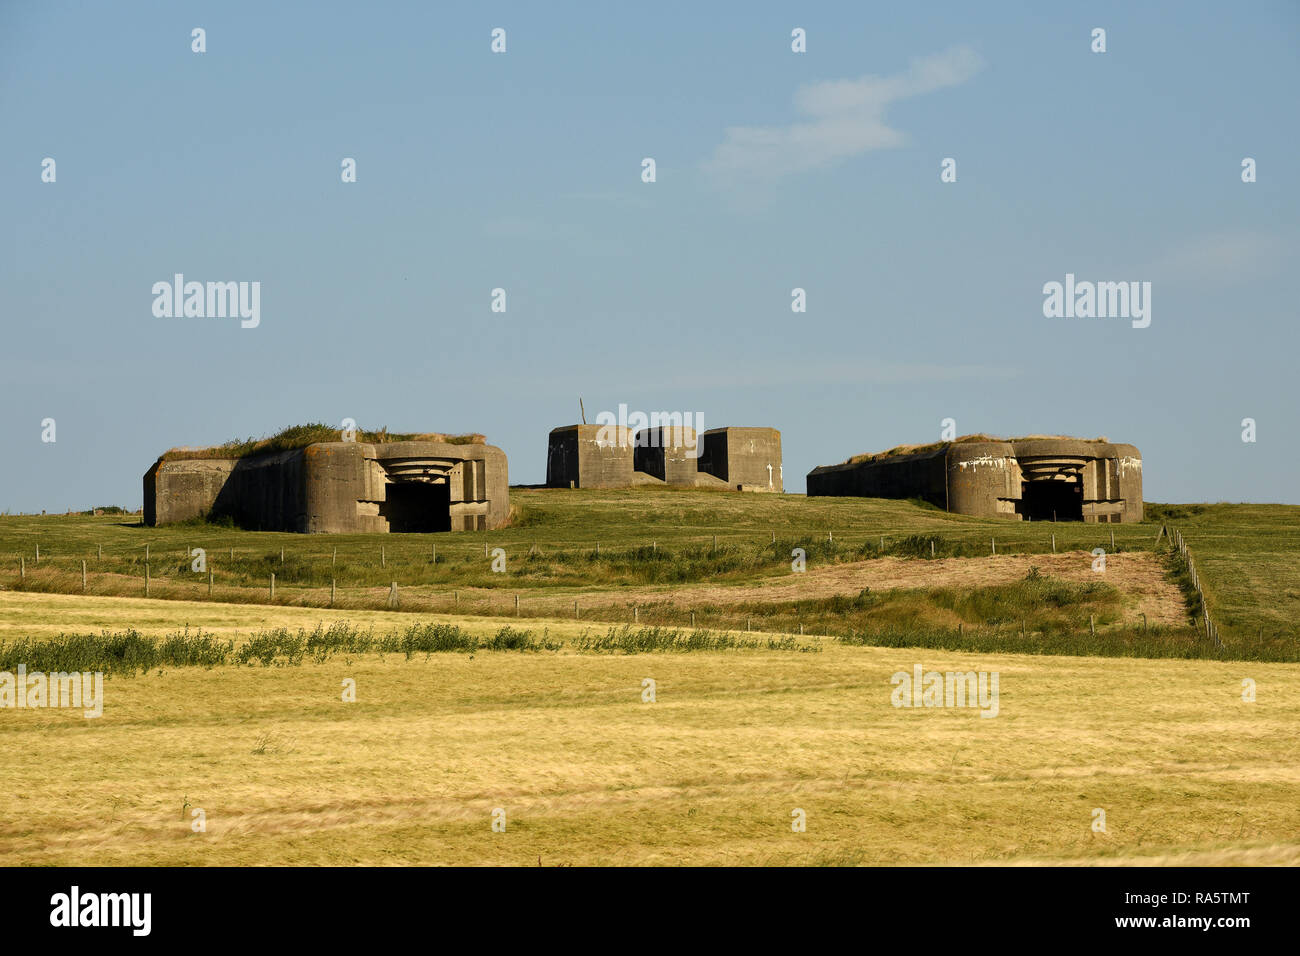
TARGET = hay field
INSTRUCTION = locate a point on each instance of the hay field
(588, 773)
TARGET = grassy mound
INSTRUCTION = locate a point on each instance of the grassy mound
(300, 436)
(900, 450)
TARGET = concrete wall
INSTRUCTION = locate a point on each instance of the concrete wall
(747, 459)
(983, 479)
(345, 488)
(667, 453)
(580, 456)
(904, 476)
(1113, 485)
(180, 490)
(266, 493)
(332, 487)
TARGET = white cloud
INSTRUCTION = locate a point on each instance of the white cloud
(846, 119)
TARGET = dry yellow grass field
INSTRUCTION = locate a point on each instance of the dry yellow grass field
(587, 773)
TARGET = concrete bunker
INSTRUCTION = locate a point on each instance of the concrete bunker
(611, 456)
(336, 487)
(1026, 479)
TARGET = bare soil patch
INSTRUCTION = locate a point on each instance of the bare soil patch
(1140, 576)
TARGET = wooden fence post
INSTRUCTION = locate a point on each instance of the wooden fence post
(272, 585)
(83, 577)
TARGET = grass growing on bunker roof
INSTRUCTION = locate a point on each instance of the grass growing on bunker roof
(300, 436)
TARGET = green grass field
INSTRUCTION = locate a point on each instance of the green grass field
(695, 557)
(1249, 558)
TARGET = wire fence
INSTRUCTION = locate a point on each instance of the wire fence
(1180, 545)
(430, 576)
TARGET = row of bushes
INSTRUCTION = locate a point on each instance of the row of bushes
(130, 652)
(642, 640)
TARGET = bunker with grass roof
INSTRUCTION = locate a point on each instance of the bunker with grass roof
(315, 479)
(1037, 478)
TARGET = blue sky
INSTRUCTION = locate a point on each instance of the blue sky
(775, 170)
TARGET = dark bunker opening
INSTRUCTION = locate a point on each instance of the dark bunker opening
(1052, 500)
(417, 507)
